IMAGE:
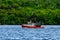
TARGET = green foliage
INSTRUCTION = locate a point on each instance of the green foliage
(18, 11)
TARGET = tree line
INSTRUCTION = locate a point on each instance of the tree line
(18, 11)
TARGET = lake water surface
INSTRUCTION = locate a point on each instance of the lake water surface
(16, 32)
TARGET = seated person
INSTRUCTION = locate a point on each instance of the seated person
(38, 24)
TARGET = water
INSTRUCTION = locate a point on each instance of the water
(15, 32)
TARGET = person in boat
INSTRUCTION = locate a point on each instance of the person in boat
(32, 18)
(38, 23)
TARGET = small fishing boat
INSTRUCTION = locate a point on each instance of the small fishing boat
(31, 26)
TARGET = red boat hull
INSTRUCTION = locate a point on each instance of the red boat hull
(24, 26)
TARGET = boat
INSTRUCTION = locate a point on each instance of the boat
(31, 26)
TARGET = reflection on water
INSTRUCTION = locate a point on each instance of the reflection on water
(50, 32)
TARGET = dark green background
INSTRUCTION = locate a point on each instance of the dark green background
(18, 11)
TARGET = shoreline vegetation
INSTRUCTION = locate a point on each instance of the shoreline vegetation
(16, 12)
